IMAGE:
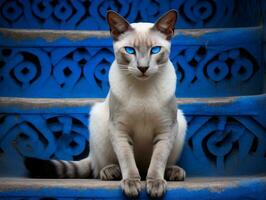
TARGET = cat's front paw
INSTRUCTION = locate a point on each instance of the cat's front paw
(156, 187)
(131, 187)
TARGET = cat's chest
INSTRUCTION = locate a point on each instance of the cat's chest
(143, 106)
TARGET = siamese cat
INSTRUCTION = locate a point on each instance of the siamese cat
(137, 132)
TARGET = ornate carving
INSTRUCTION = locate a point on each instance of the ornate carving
(220, 144)
(225, 143)
(90, 15)
(83, 71)
(206, 12)
(25, 67)
(98, 76)
(236, 64)
(197, 64)
(44, 135)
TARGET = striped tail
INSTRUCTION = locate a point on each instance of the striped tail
(39, 168)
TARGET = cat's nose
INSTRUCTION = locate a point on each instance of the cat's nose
(143, 69)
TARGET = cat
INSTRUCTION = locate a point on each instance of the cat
(138, 130)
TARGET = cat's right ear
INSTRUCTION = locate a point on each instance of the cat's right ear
(117, 24)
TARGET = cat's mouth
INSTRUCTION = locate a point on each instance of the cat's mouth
(143, 77)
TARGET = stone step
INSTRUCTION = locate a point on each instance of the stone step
(226, 136)
(234, 188)
(54, 64)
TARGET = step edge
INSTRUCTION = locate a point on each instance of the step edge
(9, 101)
(22, 37)
(84, 34)
(195, 183)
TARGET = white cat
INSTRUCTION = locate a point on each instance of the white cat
(138, 130)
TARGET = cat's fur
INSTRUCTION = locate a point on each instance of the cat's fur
(137, 130)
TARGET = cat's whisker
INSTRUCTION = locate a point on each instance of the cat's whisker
(161, 65)
(122, 65)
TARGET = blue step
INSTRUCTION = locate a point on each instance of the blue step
(226, 136)
(234, 188)
(74, 64)
(54, 63)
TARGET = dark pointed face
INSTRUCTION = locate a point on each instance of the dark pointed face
(142, 49)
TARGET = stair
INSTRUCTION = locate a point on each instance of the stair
(54, 63)
(75, 64)
(202, 188)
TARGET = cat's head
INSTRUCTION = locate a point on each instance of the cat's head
(142, 49)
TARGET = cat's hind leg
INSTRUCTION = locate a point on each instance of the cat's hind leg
(174, 173)
(110, 173)
(179, 140)
(101, 149)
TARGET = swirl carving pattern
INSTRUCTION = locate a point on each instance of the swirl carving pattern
(196, 63)
(44, 136)
(90, 15)
(49, 72)
(224, 143)
(83, 71)
(220, 144)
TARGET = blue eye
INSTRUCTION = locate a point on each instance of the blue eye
(155, 49)
(130, 50)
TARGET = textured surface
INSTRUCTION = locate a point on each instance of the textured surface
(208, 63)
(90, 15)
(226, 136)
(202, 188)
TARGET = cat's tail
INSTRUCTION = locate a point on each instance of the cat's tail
(39, 168)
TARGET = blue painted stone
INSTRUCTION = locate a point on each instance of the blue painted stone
(79, 14)
(237, 188)
(208, 63)
(225, 136)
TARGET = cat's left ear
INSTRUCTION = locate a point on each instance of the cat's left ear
(166, 24)
(117, 24)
